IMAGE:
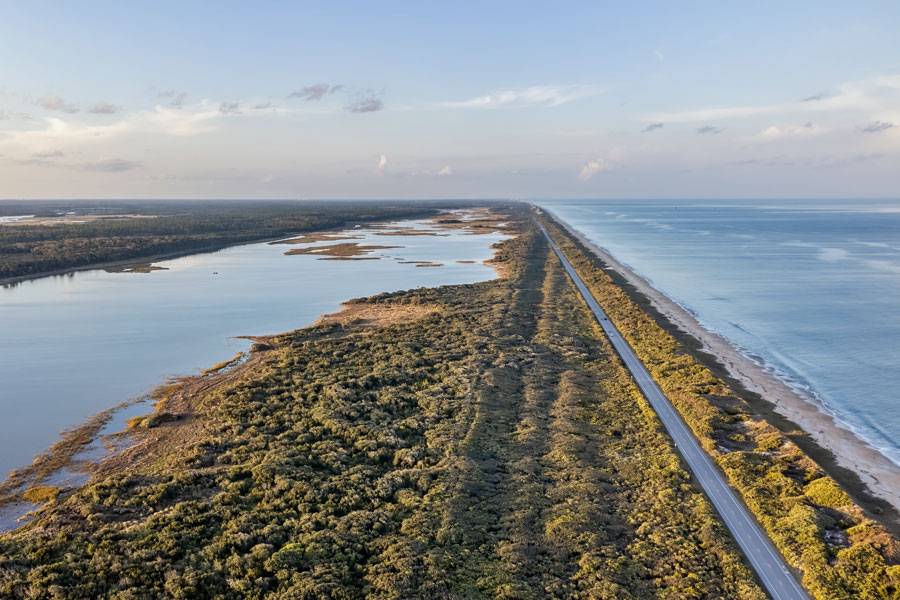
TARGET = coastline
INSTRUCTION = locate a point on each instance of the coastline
(847, 451)
(128, 262)
(150, 259)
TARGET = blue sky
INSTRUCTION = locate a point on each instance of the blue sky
(461, 99)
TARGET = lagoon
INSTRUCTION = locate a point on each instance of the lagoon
(76, 344)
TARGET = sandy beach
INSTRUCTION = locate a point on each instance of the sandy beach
(877, 472)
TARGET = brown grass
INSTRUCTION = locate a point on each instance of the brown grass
(377, 315)
(223, 364)
(41, 493)
(343, 250)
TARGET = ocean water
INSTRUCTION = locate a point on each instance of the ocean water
(809, 288)
(73, 345)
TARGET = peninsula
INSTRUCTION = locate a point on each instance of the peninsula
(466, 441)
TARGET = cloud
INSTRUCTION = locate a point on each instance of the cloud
(368, 102)
(48, 154)
(652, 126)
(445, 171)
(104, 165)
(776, 161)
(660, 56)
(876, 94)
(877, 126)
(710, 130)
(539, 95)
(230, 108)
(775, 132)
(3, 114)
(847, 161)
(360, 101)
(262, 106)
(177, 97)
(103, 108)
(162, 120)
(111, 165)
(810, 162)
(382, 164)
(316, 92)
(51, 101)
(595, 166)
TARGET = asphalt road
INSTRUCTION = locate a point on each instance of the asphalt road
(762, 555)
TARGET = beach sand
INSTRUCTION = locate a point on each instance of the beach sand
(880, 475)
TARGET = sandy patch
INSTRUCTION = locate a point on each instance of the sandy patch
(377, 315)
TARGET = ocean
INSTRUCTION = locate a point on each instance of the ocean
(810, 289)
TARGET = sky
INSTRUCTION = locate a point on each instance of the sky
(458, 99)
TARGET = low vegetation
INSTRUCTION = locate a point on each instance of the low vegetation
(841, 553)
(488, 445)
(469, 441)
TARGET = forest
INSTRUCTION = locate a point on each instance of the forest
(485, 441)
(165, 228)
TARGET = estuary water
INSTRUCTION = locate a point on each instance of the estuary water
(811, 289)
(73, 345)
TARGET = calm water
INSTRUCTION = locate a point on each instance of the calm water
(73, 345)
(812, 288)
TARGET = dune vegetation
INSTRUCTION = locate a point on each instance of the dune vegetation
(490, 445)
(467, 441)
(839, 551)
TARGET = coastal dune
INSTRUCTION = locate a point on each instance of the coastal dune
(879, 474)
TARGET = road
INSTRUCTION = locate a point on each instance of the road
(757, 547)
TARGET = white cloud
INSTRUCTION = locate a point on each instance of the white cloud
(778, 132)
(382, 164)
(539, 95)
(162, 120)
(593, 167)
(880, 93)
(445, 171)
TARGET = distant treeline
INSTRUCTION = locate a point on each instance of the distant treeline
(29, 250)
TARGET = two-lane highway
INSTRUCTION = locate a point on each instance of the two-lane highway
(759, 550)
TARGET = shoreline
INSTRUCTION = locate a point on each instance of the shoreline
(149, 260)
(128, 262)
(848, 452)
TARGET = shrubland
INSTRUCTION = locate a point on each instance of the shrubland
(489, 446)
(840, 552)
